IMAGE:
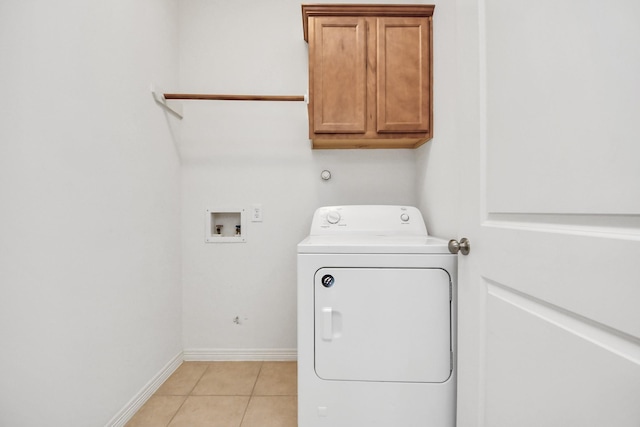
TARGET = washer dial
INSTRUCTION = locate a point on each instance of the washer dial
(333, 217)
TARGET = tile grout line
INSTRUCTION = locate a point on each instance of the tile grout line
(188, 394)
(251, 395)
(253, 389)
(199, 379)
(176, 413)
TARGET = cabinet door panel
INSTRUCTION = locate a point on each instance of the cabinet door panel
(404, 75)
(339, 75)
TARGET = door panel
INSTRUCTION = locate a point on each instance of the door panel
(404, 74)
(383, 324)
(548, 296)
(339, 78)
(575, 374)
(562, 106)
(584, 272)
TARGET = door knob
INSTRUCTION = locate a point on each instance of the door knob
(463, 246)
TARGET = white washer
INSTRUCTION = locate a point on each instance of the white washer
(376, 321)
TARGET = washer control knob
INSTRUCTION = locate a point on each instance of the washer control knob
(404, 217)
(333, 217)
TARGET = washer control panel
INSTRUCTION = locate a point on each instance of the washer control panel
(368, 220)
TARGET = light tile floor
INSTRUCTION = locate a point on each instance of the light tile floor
(224, 394)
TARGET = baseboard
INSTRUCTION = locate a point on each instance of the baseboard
(129, 410)
(239, 354)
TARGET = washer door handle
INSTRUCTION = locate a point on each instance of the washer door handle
(327, 323)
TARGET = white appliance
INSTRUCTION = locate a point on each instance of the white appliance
(376, 321)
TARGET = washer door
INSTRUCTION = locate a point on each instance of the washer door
(383, 324)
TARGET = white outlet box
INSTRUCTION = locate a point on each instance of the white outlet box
(256, 213)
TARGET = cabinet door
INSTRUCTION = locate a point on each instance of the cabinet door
(338, 77)
(404, 75)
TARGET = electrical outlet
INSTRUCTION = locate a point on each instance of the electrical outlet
(256, 213)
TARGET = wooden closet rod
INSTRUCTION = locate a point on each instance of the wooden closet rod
(234, 97)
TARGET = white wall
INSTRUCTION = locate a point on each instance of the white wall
(438, 170)
(239, 153)
(89, 208)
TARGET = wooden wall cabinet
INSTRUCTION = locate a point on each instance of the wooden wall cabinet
(370, 75)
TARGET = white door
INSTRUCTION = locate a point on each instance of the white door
(383, 324)
(549, 297)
